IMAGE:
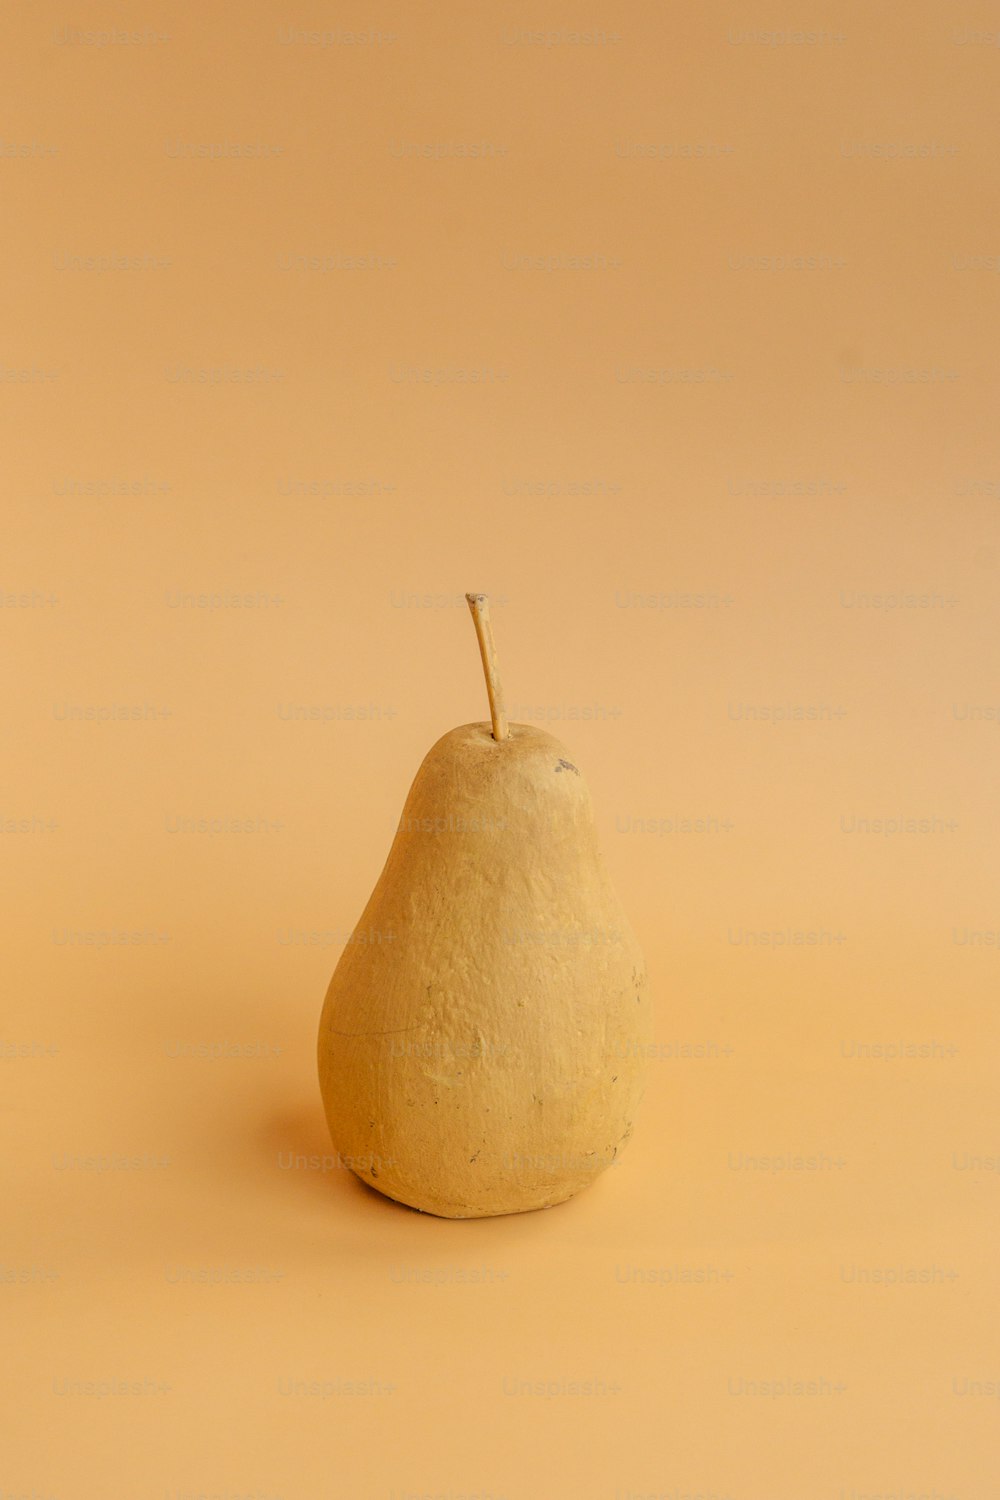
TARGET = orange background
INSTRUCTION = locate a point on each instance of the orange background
(692, 365)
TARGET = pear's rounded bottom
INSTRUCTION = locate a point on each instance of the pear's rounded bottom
(528, 1203)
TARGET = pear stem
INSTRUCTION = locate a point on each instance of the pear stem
(479, 604)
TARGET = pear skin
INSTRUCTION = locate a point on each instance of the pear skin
(483, 1040)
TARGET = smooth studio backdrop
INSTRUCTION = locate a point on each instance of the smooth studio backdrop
(674, 329)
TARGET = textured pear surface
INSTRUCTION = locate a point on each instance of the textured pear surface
(482, 1043)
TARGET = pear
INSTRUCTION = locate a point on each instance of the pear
(482, 1043)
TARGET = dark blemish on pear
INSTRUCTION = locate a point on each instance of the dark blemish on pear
(567, 765)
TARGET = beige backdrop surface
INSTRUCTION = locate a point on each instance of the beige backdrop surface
(675, 328)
